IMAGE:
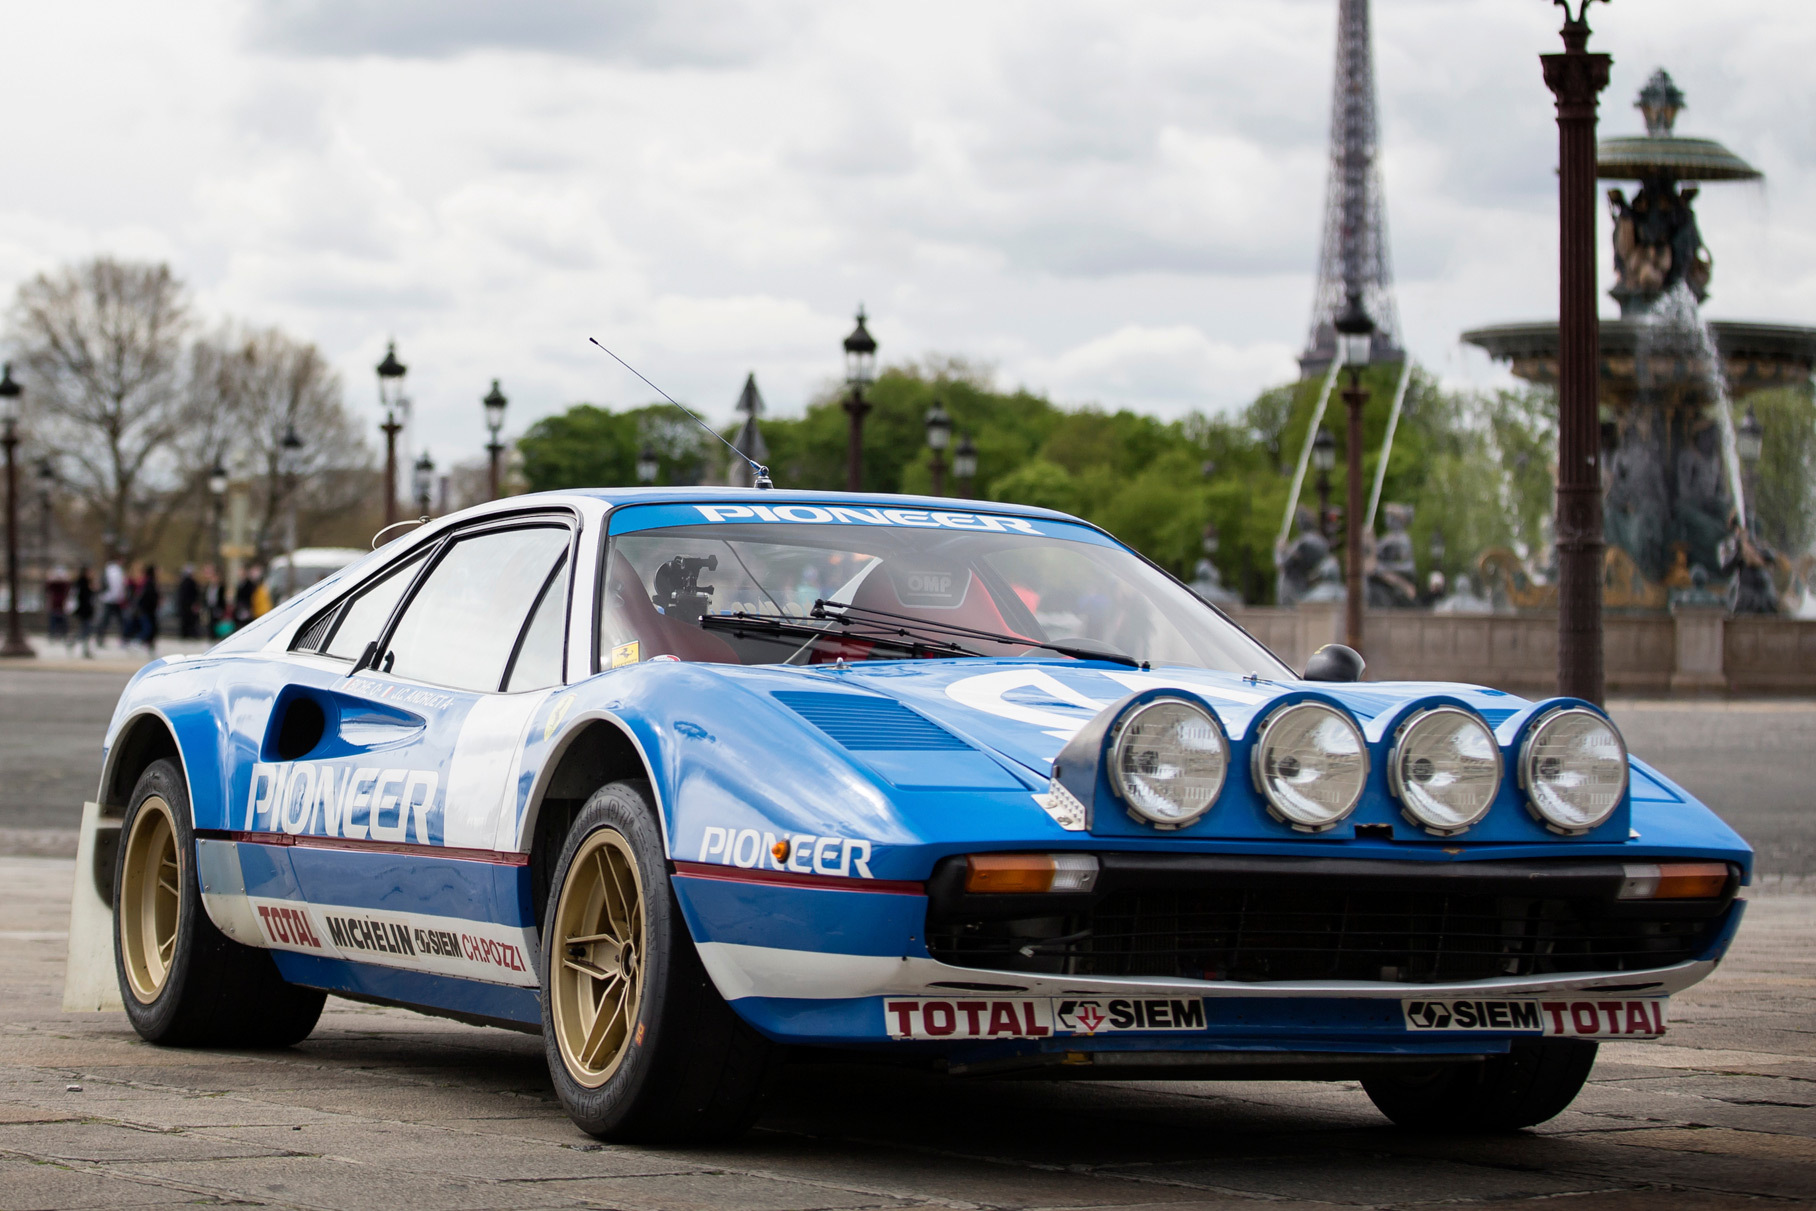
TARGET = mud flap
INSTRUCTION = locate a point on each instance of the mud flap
(90, 983)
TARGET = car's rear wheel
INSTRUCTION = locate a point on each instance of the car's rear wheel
(1533, 1082)
(183, 981)
(639, 1043)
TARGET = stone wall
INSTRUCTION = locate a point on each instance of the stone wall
(1685, 652)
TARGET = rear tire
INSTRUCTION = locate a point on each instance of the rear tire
(184, 982)
(1533, 1082)
(640, 1045)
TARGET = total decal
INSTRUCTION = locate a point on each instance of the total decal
(1038, 1017)
(801, 853)
(451, 946)
(1626, 1018)
(360, 803)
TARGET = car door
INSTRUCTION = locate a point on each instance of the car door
(396, 861)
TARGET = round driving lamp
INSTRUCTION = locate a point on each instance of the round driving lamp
(1445, 769)
(1310, 764)
(1168, 761)
(1573, 770)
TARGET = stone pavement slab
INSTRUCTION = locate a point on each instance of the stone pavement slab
(389, 1110)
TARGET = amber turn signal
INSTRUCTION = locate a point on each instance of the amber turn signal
(1674, 881)
(1030, 873)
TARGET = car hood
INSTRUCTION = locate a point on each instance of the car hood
(1025, 709)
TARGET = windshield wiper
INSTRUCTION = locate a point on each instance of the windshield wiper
(1078, 649)
(901, 640)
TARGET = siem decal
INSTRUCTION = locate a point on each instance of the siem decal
(359, 803)
(841, 516)
(803, 853)
(1129, 1013)
(1639, 1018)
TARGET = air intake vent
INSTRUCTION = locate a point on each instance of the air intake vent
(871, 724)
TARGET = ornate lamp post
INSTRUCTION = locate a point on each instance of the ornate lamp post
(1355, 339)
(391, 397)
(964, 464)
(1324, 457)
(1749, 445)
(860, 372)
(10, 391)
(47, 485)
(494, 405)
(217, 488)
(290, 461)
(1577, 78)
(939, 436)
(425, 483)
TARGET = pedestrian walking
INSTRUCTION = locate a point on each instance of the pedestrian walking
(84, 591)
(145, 607)
(189, 605)
(56, 605)
(215, 606)
(113, 601)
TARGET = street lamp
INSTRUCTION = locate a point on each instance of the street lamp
(647, 466)
(425, 482)
(1324, 457)
(494, 405)
(391, 397)
(1355, 339)
(964, 464)
(290, 462)
(860, 372)
(1749, 445)
(10, 391)
(1577, 78)
(939, 436)
(47, 484)
(217, 488)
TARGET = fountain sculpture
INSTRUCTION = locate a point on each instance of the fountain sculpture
(1674, 513)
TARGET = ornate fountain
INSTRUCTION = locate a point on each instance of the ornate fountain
(1672, 505)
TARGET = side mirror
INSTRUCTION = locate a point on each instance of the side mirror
(1335, 662)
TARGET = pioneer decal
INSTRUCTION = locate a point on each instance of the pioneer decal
(802, 853)
(360, 803)
(1627, 1018)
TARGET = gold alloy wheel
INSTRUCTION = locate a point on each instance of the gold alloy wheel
(597, 982)
(151, 899)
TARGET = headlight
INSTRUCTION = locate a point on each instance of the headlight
(1573, 770)
(1168, 762)
(1311, 764)
(1446, 769)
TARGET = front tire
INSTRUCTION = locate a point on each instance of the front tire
(639, 1043)
(184, 982)
(1532, 1083)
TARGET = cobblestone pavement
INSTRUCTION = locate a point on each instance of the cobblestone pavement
(386, 1109)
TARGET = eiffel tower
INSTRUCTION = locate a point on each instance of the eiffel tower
(1354, 257)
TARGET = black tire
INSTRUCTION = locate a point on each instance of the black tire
(673, 1063)
(1532, 1083)
(208, 991)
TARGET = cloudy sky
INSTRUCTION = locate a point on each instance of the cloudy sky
(1116, 203)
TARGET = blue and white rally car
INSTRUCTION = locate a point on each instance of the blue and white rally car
(686, 778)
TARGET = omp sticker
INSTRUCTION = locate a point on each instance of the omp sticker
(841, 516)
(961, 1018)
(624, 653)
(1626, 1018)
(479, 950)
(1120, 1014)
(807, 854)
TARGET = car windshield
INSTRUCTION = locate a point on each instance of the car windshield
(804, 593)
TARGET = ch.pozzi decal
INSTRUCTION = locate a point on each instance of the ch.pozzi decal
(358, 802)
(801, 853)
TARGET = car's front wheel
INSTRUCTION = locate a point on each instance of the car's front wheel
(639, 1043)
(184, 982)
(1533, 1082)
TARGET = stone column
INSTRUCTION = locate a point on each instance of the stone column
(1700, 665)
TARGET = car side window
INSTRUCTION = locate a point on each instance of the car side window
(538, 664)
(363, 615)
(464, 622)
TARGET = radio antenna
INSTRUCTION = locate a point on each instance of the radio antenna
(759, 473)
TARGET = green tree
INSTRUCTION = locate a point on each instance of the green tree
(592, 447)
(1787, 467)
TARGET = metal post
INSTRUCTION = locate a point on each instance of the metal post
(391, 427)
(1354, 396)
(938, 467)
(493, 449)
(856, 405)
(1577, 77)
(15, 637)
(1324, 518)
